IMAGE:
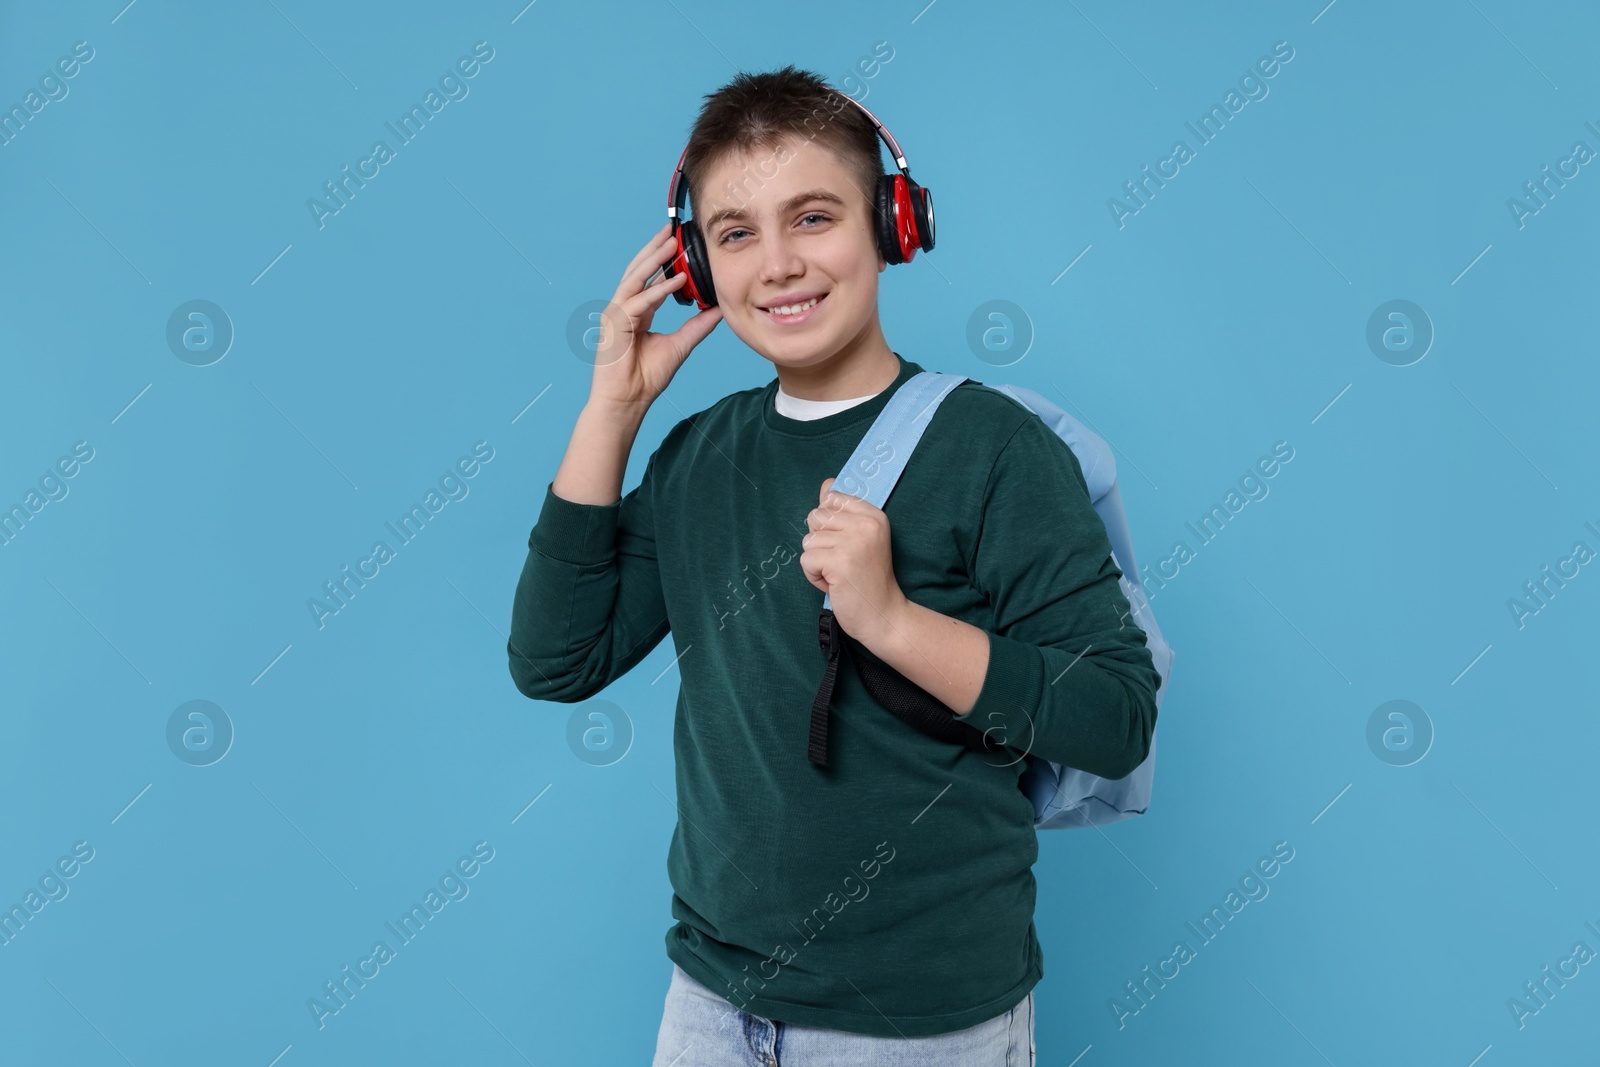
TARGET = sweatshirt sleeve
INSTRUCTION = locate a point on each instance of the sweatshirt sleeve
(1070, 678)
(589, 604)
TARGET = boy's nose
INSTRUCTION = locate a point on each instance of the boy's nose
(780, 259)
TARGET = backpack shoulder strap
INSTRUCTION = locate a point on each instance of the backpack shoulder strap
(871, 473)
(881, 456)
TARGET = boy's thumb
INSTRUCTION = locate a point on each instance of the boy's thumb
(694, 331)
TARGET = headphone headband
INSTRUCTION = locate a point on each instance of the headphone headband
(678, 191)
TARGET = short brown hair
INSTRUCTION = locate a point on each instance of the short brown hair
(761, 111)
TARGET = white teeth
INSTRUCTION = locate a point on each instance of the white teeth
(794, 309)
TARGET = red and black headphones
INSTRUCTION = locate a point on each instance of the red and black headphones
(902, 217)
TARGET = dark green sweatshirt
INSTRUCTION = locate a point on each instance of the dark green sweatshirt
(890, 893)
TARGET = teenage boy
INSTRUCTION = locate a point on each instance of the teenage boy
(887, 896)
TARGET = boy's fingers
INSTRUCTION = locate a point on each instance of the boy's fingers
(633, 283)
(640, 256)
(633, 287)
(654, 253)
(840, 501)
(649, 297)
(813, 575)
(817, 540)
(662, 252)
(826, 518)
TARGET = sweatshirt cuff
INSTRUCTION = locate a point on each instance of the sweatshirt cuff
(575, 533)
(1012, 688)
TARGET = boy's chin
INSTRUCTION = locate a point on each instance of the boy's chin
(794, 353)
(797, 355)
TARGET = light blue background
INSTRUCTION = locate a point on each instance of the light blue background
(1228, 314)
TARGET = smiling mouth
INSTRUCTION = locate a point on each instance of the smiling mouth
(794, 313)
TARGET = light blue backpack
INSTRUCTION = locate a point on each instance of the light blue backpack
(1062, 796)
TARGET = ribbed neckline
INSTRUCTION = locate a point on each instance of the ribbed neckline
(859, 416)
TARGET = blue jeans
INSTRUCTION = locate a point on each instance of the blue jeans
(701, 1029)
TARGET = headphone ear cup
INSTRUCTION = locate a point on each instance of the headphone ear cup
(683, 294)
(698, 265)
(884, 219)
(922, 210)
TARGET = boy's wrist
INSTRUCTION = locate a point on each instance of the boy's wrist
(889, 626)
(617, 413)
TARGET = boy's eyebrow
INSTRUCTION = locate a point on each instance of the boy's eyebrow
(783, 209)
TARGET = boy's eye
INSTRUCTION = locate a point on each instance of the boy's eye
(808, 215)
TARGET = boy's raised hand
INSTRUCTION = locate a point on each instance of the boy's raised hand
(632, 365)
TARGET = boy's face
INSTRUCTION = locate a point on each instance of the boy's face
(802, 228)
